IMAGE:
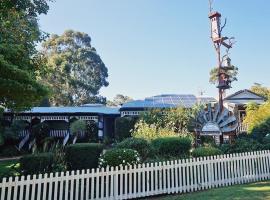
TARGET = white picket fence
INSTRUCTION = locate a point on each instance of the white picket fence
(144, 180)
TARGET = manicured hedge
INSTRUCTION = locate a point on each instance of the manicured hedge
(141, 145)
(123, 127)
(206, 151)
(36, 163)
(117, 157)
(83, 155)
(172, 146)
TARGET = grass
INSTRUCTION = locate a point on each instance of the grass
(253, 191)
(8, 168)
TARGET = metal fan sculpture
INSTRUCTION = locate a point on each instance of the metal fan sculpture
(212, 122)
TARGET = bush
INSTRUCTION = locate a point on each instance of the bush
(123, 127)
(9, 151)
(83, 155)
(261, 130)
(36, 163)
(77, 126)
(151, 131)
(142, 146)
(116, 157)
(206, 151)
(208, 141)
(172, 146)
(241, 145)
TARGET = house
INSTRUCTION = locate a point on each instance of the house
(59, 119)
(238, 101)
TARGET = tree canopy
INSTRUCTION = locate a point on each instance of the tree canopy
(261, 90)
(256, 115)
(76, 70)
(118, 100)
(214, 74)
(20, 64)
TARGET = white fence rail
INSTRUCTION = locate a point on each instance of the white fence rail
(128, 182)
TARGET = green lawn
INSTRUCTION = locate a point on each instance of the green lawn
(8, 168)
(253, 191)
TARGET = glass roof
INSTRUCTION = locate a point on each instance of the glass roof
(168, 101)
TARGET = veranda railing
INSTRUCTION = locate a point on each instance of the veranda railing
(179, 176)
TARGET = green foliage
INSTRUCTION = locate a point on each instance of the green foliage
(9, 151)
(150, 132)
(40, 132)
(12, 132)
(156, 117)
(142, 146)
(261, 90)
(206, 151)
(178, 119)
(256, 115)
(36, 163)
(261, 130)
(172, 146)
(116, 157)
(214, 74)
(83, 155)
(77, 127)
(20, 64)
(123, 127)
(244, 144)
(9, 168)
(157, 123)
(118, 100)
(91, 132)
(72, 60)
(208, 141)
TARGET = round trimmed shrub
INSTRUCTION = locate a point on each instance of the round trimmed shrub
(172, 146)
(206, 151)
(36, 163)
(141, 145)
(83, 155)
(116, 157)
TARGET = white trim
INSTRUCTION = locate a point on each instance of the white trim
(26, 118)
(48, 118)
(131, 113)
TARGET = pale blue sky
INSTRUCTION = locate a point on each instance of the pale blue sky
(155, 47)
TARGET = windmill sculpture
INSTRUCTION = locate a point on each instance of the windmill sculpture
(216, 120)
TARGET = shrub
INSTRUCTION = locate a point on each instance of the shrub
(241, 145)
(172, 146)
(36, 163)
(116, 157)
(206, 151)
(123, 127)
(77, 126)
(208, 141)
(9, 151)
(83, 155)
(150, 132)
(261, 130)
(142, 146)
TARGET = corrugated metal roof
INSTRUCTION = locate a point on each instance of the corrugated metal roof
(82, 109)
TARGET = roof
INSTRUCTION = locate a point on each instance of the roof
(167, 101)
(74, 109)
(244, 97)
(243, 91)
